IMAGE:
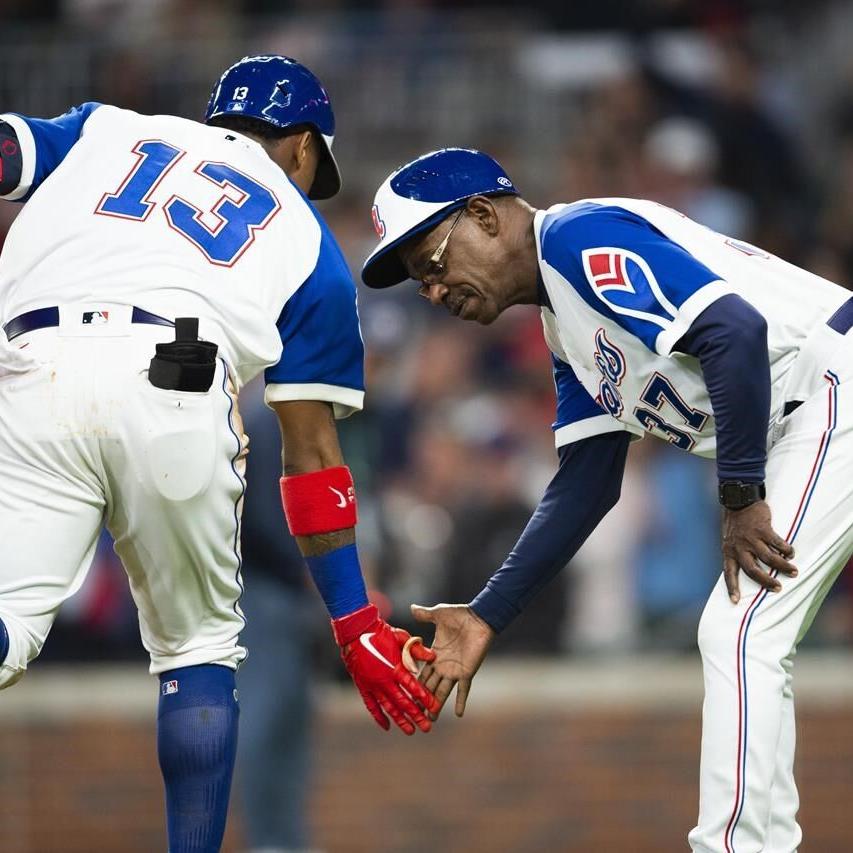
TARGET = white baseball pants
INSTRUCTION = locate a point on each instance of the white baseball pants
(748, 798)
(85, 440)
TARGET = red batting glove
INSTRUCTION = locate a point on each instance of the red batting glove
(372, 652)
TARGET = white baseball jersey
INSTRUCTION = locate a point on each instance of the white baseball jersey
(182, 219)
(625, 280)
(179, 220)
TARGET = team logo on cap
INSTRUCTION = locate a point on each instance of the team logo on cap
(378, 224)
(504, 182)
(281, 96)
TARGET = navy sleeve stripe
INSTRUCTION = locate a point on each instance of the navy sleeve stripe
(730, 340)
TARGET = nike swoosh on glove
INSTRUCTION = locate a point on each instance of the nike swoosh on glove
(372, 652)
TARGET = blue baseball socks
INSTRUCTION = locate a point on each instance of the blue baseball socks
(196, 744)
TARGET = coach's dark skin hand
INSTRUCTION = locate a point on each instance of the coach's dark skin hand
(747, 538)
(461, 641)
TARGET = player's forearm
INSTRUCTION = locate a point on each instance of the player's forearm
(583, 491)
(309, 436)
(730, 340)
(319, 502)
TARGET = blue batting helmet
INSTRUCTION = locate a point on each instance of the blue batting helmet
(419, 195)
(284, 93)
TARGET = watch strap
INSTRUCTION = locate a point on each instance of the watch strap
(735, 495)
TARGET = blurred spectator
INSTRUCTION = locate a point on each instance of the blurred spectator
(834, 254)
(604, 615)
(604, 152)
(419, 512)
(487, 524)
(682, 157)
(758, 156)
(678, 555)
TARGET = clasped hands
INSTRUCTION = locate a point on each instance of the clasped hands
(415, 682)
(400, 678)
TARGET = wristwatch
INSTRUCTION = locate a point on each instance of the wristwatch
(736, 495)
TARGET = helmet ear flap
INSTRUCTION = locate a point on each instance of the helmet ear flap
(327, 181)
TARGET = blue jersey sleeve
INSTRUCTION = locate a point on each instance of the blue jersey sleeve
(627, 270)
(44, 143)
(323, 354)
(579, 416)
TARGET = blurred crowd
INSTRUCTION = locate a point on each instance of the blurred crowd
(738, 114)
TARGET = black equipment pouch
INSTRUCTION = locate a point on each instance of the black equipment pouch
(185, 364)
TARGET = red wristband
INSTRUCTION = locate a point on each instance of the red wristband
(319, 502)
(350, 627)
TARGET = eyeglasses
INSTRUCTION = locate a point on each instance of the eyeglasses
(435, 268)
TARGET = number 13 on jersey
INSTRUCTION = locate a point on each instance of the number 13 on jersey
(222, 244)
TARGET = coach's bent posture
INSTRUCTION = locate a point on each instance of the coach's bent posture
(138, 230)
(657, 324)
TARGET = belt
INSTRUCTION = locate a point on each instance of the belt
(842, 320)
(46, 318)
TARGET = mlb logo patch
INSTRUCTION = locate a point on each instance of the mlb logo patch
(169, 687)
(95, 318)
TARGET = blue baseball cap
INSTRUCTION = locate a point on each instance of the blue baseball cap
(284, 93)
(419, 195)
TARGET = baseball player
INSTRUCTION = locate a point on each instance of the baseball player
(138, 234)
(657, 325)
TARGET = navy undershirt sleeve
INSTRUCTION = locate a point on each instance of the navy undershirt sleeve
(583, 491)
(11, 160)
(730, 340)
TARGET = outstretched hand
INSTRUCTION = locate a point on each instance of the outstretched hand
(461, 642)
